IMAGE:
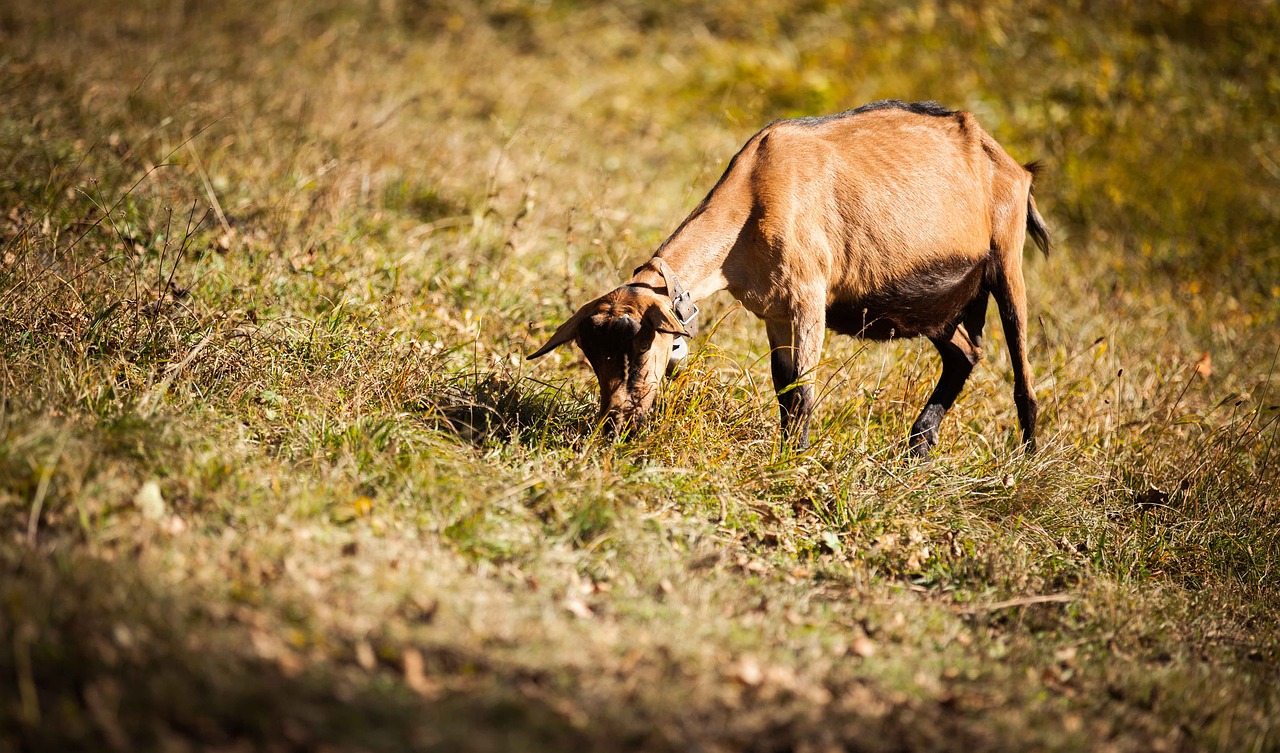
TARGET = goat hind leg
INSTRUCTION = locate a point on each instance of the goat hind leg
(960, 353)
(1011, 297)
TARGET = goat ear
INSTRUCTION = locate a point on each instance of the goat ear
(663, 319)
(563, 334)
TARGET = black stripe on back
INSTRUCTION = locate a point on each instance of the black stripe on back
(920, 108)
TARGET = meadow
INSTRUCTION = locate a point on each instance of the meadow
(275, 475)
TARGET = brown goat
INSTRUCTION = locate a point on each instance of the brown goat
(891, 220)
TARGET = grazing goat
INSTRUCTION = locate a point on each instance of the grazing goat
(891, 220)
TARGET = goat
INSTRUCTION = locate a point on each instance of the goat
(890, 220)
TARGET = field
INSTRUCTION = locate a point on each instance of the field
(275, 475)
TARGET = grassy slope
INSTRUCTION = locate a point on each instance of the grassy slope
(382, 530)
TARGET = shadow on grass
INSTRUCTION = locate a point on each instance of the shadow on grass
(102, 662)
(490, 407)
(96, 658)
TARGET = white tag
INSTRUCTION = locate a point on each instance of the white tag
(679, 351)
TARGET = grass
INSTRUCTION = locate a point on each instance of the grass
(282, 264)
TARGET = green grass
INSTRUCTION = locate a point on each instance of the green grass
(284, 263)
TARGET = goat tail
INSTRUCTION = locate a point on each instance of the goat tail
(1036, 227)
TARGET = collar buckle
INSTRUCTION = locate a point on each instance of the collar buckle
(685, 308)
(682, 303)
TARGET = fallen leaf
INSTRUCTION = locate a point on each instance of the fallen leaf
(863, 646)
(748, 672)
(149, 501)
(917, 558)
(1204, 367)
(577, 607)
(415, 673)
(365, 656)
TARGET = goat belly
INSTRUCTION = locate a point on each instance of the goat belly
(926, 303)
(860, 318)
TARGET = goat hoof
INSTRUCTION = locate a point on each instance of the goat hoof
(922, 446)
(923, 441)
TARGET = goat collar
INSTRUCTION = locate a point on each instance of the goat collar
(681, 301)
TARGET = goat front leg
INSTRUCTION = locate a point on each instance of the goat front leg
(795, 349)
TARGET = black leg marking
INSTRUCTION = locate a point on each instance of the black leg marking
(795, 401)
(960, 352)
(1011, 299)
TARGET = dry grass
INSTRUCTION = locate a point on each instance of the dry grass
(283, 263)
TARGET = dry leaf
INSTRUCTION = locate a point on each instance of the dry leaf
(1204, 367)
(748, 672)
(577, 607)
(917, 558)
(415, 673)
(863, 646)
(365, 656)
(149, 501)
